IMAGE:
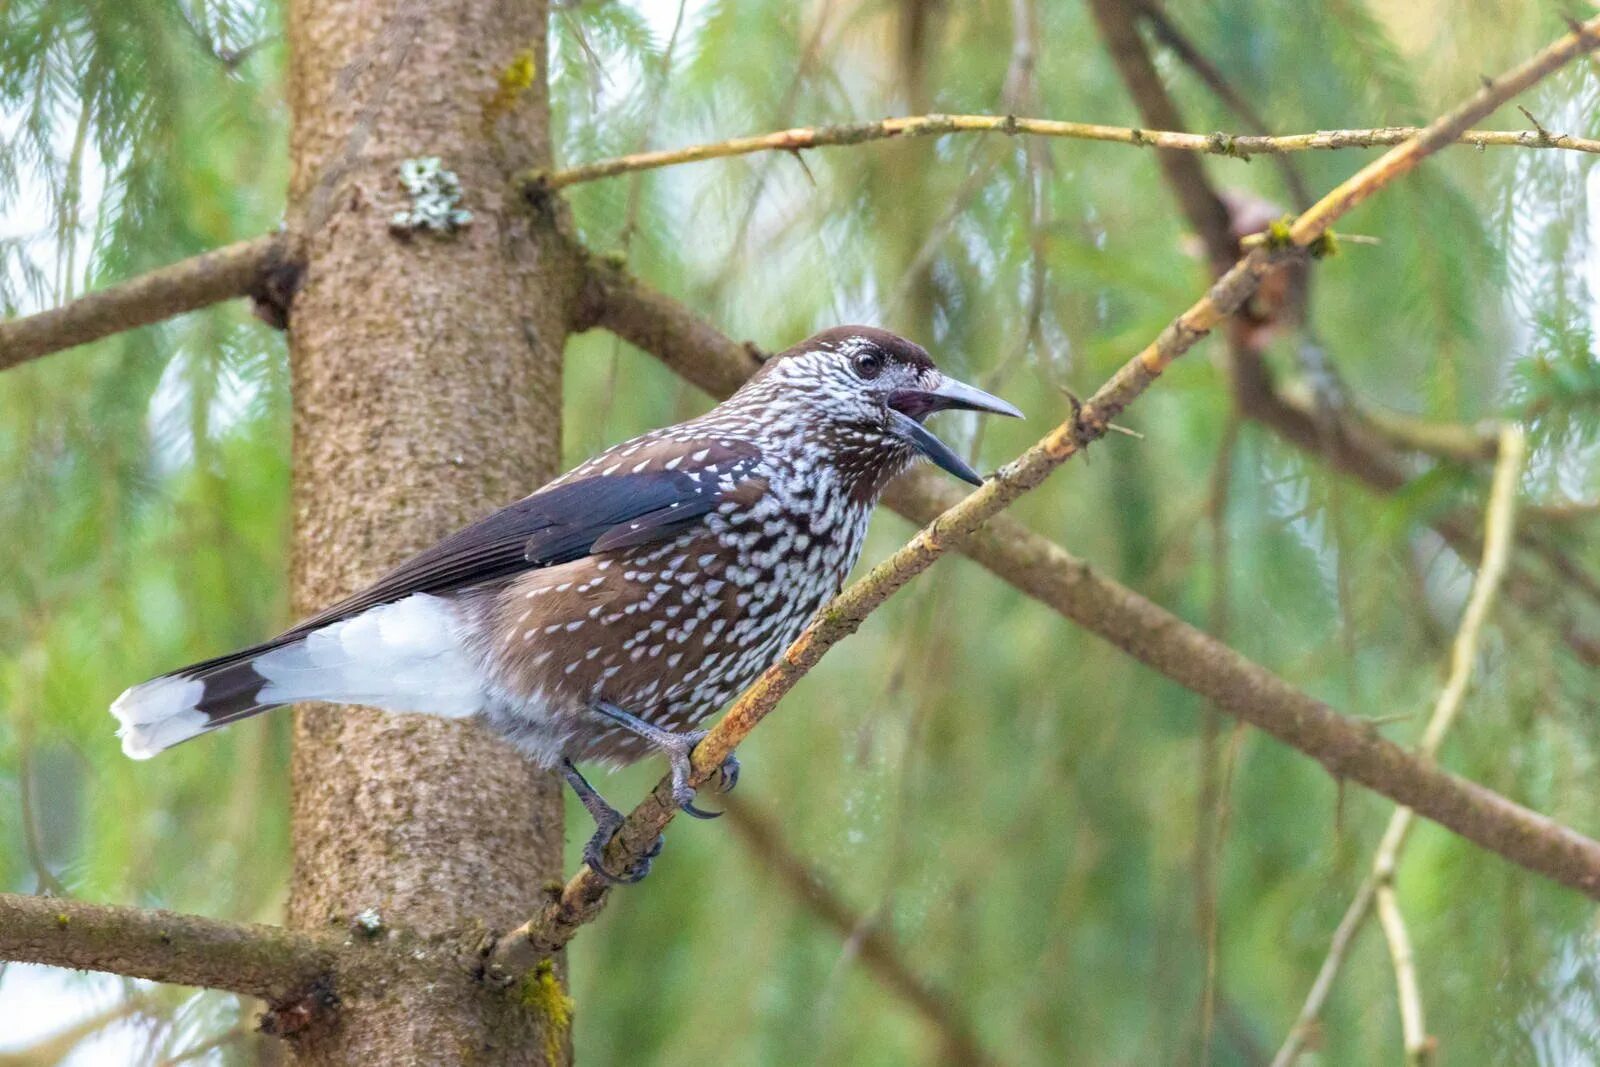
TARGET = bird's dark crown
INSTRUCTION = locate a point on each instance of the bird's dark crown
(850, 340)
(859, 395)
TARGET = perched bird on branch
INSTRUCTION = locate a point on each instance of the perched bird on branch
(607, 614)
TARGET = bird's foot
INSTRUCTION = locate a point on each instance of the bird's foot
(677, 748)
(607, 821)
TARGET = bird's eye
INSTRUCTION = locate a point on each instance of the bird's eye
(868, 365)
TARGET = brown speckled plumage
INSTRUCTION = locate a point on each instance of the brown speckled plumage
(633, 595)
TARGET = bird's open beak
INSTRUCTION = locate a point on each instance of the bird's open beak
(908, 407)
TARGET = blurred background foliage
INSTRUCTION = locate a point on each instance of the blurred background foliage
(1012, 799)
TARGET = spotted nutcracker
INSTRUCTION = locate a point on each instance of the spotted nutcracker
(607, 614)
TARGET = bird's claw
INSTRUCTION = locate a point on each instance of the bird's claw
(728, 774)
(682, 792)
(678, 748)
(607, 821)
(594, 855)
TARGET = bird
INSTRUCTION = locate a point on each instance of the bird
(606, 615)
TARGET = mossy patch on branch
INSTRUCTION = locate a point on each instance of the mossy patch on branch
(543, 994)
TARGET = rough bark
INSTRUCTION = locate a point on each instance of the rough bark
(206, 279)
(165, 946)
(426, 374)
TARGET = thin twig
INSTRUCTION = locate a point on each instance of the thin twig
(1498, 537)
(1167, 32)
(1413, 1027)
(1238, 146)
(1346, 747)
(1327, 424)
(236, 269)
(584, 895)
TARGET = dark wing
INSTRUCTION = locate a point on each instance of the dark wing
(622, 498)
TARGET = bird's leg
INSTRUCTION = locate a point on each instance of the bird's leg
(676, 747)
(607, 820)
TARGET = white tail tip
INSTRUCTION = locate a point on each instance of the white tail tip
(158, 714)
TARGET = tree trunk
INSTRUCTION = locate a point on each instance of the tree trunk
(427, 377)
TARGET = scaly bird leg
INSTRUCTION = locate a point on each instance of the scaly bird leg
(606, 822)
(676, 747)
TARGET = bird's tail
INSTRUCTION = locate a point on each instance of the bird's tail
(408, 655)
(158, 714)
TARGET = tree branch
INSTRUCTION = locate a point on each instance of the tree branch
(1238, 146)
(585, 894)
(1147, 632)
(164, 946)
(231, 271)
(877, 950)
(1414, 1031)
(1168, 34)
(1499, 523)
(1341, 434)
(1368, 759)
(1184, 172)
(1349, 748)
(239, 269)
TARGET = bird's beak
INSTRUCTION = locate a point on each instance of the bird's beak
(908, 407)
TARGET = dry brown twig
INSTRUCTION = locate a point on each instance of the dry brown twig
(1238, 146)
(1032, 563)
(235, 270)
(1036, 566)
(1499, 526)
(1325, 421)
(584, 895)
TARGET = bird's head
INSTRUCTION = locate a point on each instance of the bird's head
(863, 393)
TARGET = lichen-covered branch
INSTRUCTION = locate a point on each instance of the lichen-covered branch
(876, 949)
(1238, 146)
(1376, 762)
(164, 946)
(231, 271)
(1499, 525)
(585, 893)
(1143, 630)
